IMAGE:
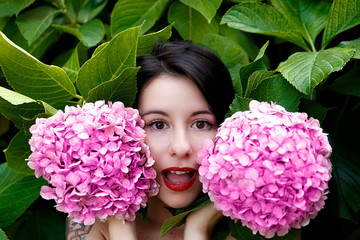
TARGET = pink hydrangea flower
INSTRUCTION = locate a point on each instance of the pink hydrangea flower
(268, 168)
(95, 161)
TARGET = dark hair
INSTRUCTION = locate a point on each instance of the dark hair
(187, 59)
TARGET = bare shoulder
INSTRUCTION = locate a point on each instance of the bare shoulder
(79, 231)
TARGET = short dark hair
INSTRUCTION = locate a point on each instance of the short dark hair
(184, 58)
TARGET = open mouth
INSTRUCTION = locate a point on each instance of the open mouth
(179, 179)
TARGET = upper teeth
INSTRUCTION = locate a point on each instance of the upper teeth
(179, 172)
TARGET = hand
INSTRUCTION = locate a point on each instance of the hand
(200, 223)
(119, 229)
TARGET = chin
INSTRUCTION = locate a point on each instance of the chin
(179, 199)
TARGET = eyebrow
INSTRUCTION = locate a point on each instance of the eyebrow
(154, 112)
(165, 114)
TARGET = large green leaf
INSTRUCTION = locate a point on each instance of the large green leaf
(239, 104)
(16, 153)
(17, 107)
(32, 78)
(34, 22)
(354, 44)
(72, 65)
(40, 223)
(123, 88)
(147, 41)
(247, 70)
(276, 89)
(305, 70)
(43, 43)
(17, 193)
(5, 9)
(256, 78)
(108, 63)
(346, 172)
(233, 56)
(243, 39)
(18, 5)
(207, 8)
(343, 15)
(348, 84)
(130, 13)
(179, 218)
(189, 23)
(2, 235)
(90, 33)
(308, 17)
(263, 19)
(91, 10)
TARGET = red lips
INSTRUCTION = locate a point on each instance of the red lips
(179, 179)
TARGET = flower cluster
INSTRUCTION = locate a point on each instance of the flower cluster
(268, 168)
(95, 160)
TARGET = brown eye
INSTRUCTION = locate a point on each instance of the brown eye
(202, 124)
(158, 125)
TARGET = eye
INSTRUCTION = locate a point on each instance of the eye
(158, 125)
(202, 124)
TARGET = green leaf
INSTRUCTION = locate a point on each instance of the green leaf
(40, 223)
(16, 153)
(233, 56)
(14, 97)
(261, 18)
(256, 78)
(346, 172)
(17, 107)
(72, 65)
(243, 39)
(343, 15)
(17, 193)
(131, 13)
(5, 9)
(90, 33)
(239, 104)
(17, 6)
(32, 78)
(43, 43)
(313, 109)
(354, 44)
(305, 70)
(179, 219)
(189, 23)
(247, 70)
(123, 88)
(3, 22)
(108, 63)
(348, 84)
(276, 89)
(308, 17)
(34, 22)
(147, 41)
(2, 235)
(207, 8)
(91, 10)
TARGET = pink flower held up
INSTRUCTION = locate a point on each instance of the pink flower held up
(268, 168)
(95, 160)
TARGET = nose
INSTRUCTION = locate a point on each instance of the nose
(180, 145)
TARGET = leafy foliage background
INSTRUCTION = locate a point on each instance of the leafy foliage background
(300, 54)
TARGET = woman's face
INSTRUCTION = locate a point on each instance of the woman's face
(177, 121)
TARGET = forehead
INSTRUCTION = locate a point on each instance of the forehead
(168, 92)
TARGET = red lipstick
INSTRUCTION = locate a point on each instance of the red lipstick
(179, 179)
